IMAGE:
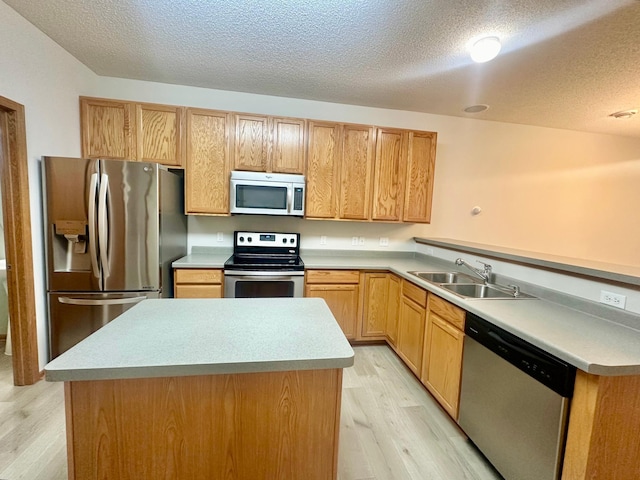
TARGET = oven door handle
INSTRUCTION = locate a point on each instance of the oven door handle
(245, 275)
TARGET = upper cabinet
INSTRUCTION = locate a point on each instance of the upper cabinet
(158, 134)
(131, 131)
(269, 144)
(421, 159)
(107, 128)
(358, 172)
(391, 157)
(353, 172)
(208, 161)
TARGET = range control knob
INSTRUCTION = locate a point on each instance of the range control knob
(284, 240)
(292, 240)
(241, 239)
(249, 239)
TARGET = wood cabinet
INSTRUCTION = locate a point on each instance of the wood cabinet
(324, 158)
(411, 324)
(208, 160)
(375, 306)
(358, 172)
(159, 134)
(124, 130)
(442, 355)
(420, 165)
(393, 308)
(391, 146)
(269, 144)
(107, 128)
(341, 290)
(198, 283)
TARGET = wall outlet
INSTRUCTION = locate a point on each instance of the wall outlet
(384, 241)
(361, 241)
(220, 237)
(323, 239)
(613, 299)
(354, 240)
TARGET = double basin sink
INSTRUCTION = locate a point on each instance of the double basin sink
(467, 286)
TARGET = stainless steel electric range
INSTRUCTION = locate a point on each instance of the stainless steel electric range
(264, 264)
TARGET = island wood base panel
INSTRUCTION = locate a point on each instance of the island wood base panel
(275, 425)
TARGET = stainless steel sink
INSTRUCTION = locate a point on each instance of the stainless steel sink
(445, 277)
(481, 291)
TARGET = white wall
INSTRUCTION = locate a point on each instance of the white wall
(47, 80)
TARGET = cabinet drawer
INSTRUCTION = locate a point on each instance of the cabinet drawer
(333, 276)
(198, 291)
(189, 275)
(415, 293)
(448, 311)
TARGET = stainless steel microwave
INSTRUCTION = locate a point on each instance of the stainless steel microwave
(267, 193)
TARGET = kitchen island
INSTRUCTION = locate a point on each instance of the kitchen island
(202, 389)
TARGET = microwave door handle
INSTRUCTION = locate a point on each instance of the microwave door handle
(93, 251)
(289, 198)
(103, 223)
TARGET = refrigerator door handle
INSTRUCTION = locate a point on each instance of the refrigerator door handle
(93, 252)
(84, 301)
(103, 223)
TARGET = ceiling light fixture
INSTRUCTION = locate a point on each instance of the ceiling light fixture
(485, 49)
(476, 108)
(624, 114)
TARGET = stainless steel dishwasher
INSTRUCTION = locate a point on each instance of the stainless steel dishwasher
(514, 402)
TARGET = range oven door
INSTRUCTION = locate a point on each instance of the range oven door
(260, 284)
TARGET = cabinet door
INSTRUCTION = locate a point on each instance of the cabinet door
(376, 297)
(107, 129)
(358, 147)
(198, 291)
(197, 283)
(207, 161)
(442, 367)
(343, 303)
(287, 146)
(421, 154)
(389, 174)
(393, 309)
(323, 160)
(159, 134)
(411, 333)
(251, 140)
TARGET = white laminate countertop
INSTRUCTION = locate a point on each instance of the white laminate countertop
(179, 337)
(591, 343)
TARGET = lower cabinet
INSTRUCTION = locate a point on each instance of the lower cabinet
(341, 290)
(411, 324)
(197, 283)
(375, 306)
(442, 354)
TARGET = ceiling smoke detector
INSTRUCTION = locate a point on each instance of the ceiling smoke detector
(476, 108)
(624, 114)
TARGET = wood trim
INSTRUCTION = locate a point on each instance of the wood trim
(17, 233)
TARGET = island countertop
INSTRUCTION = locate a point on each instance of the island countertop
(180, 337)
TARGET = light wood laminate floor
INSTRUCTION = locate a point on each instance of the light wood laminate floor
(391, 428)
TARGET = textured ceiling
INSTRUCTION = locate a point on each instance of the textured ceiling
(564, 63)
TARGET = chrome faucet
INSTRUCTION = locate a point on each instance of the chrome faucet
(484, 274)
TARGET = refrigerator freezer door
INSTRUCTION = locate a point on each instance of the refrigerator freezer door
(71, 191)
(75, 316)
(128, 217)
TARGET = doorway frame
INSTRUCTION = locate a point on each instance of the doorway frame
(14, 170)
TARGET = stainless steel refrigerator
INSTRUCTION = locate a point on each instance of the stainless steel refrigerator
(112, 230)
